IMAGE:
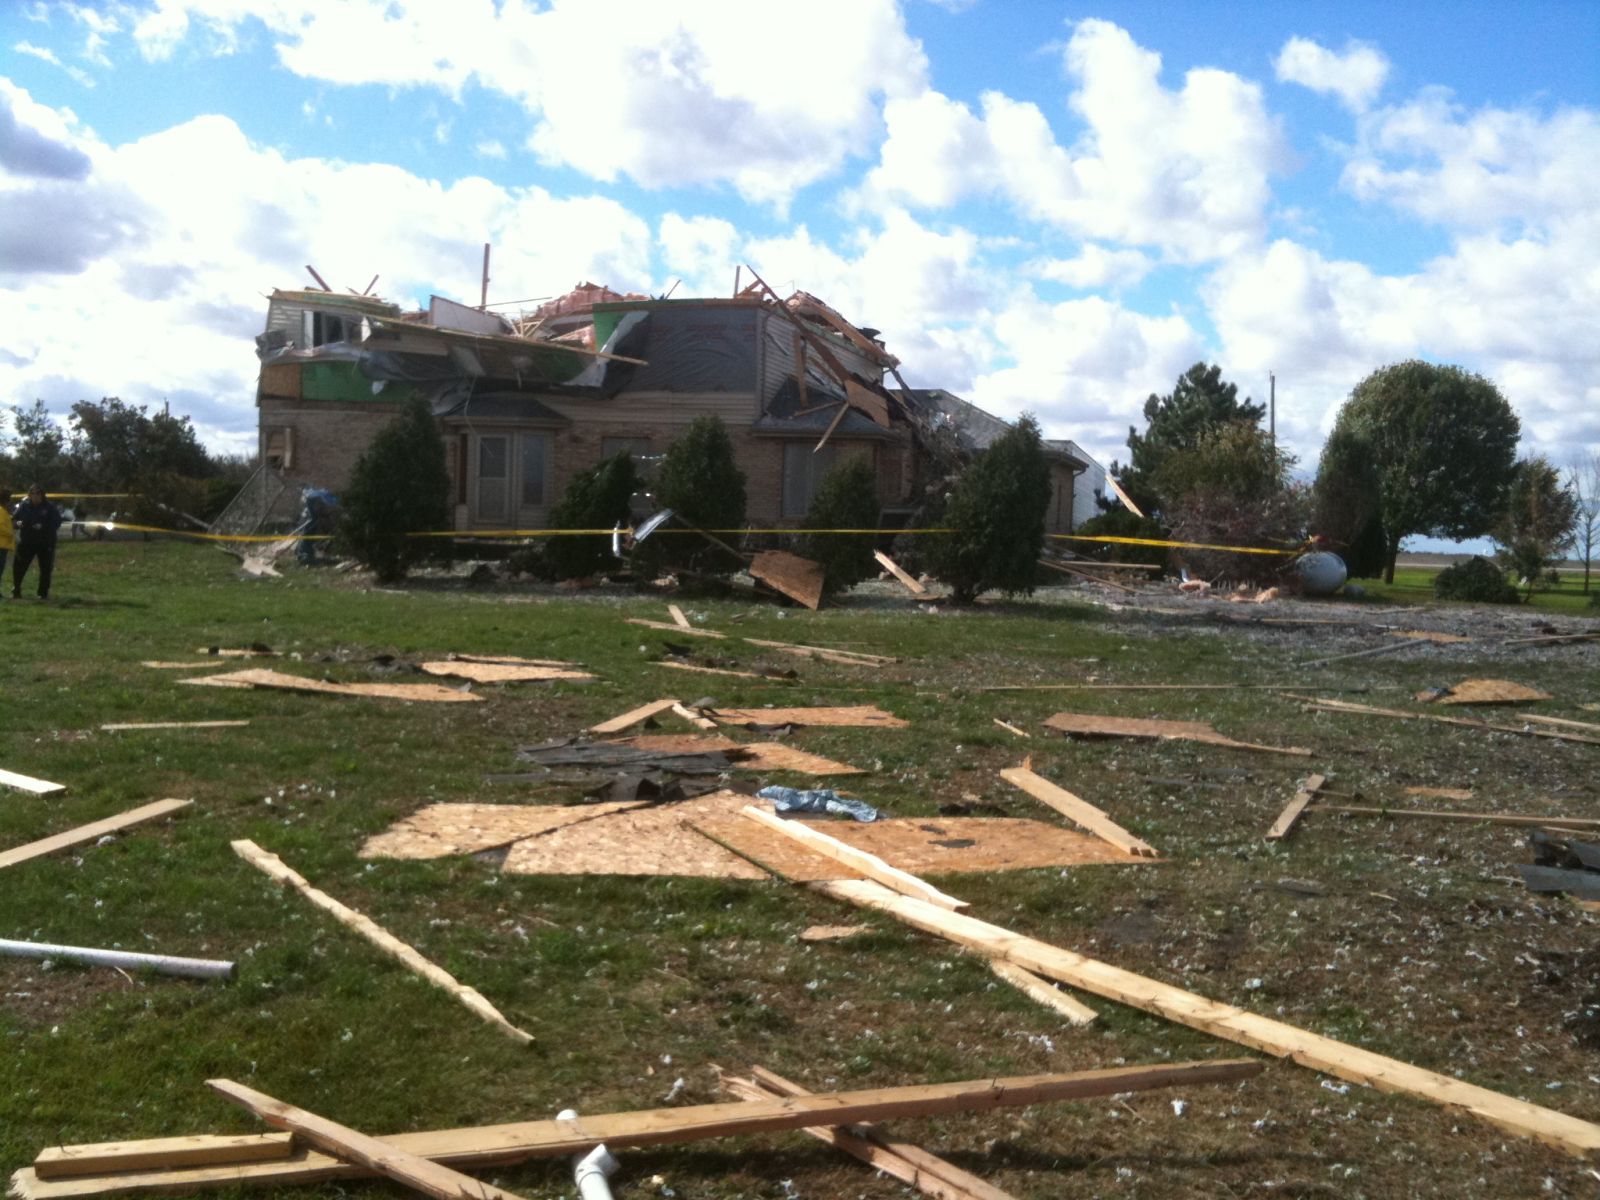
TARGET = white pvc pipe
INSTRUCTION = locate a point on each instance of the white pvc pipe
(592, 1171)
(192, 968)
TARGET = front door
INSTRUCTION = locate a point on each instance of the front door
(494, 477)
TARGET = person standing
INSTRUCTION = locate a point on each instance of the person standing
(36, 520)
(8, 537)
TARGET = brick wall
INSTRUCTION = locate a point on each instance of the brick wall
(326, 439)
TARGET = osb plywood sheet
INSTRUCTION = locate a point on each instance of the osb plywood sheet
(434, 692)
(858, 714)
(798, 578)
(657, 840)
(676, 743)
(1441, 793)
(511, 660)
(487, 672)
(1429, 635)
(1491, 691)
(953, 845)
(441, 830)
(1089, 724)
(749, 756)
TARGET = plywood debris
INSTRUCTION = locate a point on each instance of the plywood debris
(648, 840)
(485, 672)
(259, 678)
(1484, 691)
(798, 578)
(1093, 725)
(442, 830)
(832, 933)
(27, 783)
(512, 660)
(866, 715)
(1429, 635)
(1440, 793)
(91, 832)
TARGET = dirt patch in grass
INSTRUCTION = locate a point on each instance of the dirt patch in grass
(33, 993)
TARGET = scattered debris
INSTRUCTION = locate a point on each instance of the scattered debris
(1077, 810)
(1440, 793)
(1091, 725)
(162, 964)
(798, 578)
(1563, 722)
(1429, 635)
(678, 619)
(91, 832)
(821, 801)
(1043, 991)
(1345, 706)
(867, 715)
(1012, 729)
(433, 692)
(633, 717)
(684, 666)
(406, 955)
(1482, 691)
(487, 672)
(254, 650)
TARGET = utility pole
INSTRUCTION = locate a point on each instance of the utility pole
(483, 297)
(1272, 409)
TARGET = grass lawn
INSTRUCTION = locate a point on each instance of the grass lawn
(1414, 585)
(1410, 938)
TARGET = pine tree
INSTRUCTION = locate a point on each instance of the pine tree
(399, 486)
(847, 498)
(704, 487)
(996, 511)
(595, 499)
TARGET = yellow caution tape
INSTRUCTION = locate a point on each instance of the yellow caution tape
(1128, 541)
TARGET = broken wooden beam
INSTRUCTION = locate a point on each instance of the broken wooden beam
(926, 1172)
(497, 1145)
(634, 716)
(859, 861)
(1084, 575)
(1567, 1133)
(889, 565)
(27, 783)
(832, 653)
(260, 678)
(1012, 729)
(91, 832)
(678, 619)
(1293, 810)
(380, 937)
(385, 1158)
(1043, 992)
(1075, 809)
(865, 715)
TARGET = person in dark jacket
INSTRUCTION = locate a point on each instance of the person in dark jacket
(36, 521)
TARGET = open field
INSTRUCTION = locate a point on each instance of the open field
(1410, 938)
(1414, 585)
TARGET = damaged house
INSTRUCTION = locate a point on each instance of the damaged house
(525, 404)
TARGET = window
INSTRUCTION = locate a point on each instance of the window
(535, 453)
(803, 470)
(610, 447)
(320, 328)
(494, 486)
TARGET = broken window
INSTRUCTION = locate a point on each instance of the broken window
(494, 483)
(320, 328)
(535, 456)
(803, 471)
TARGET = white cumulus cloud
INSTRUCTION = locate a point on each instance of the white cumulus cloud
(1356, 76)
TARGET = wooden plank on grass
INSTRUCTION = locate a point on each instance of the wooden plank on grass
(1093, 725)
(27, 783)
(634, 716)
(498, 1145)
(161, 1154)
(866, 715)
(1562, 722)
(130, 726)
(678, 619)
(798, 578)
(889, 565)
(1076, 809)
(1396, 714)
(926, 1172)
(698, 669)
(91, 832)
(671, 628)
(261, 678)
(1043, 992)
(1568, 1133)
(487, 672)
(866, 863)
(1486, 691)
(1470, 818)
(855, 658)
(1291, 813)
(380, 937)
(424, 1175)
(1012, 729)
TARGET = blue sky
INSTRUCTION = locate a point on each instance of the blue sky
(1045, 207)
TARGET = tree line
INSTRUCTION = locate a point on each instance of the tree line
(106, 447)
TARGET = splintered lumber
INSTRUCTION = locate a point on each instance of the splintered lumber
(866, 863)
(172, 725)
(1091, 725)
(889, 565)
(380, 937)
(1571, 1134)
(1367, 710)
(678, 619)
(691, 716)
(1471, 818)
(860, 714)
(489, 672)
(500, 1145)
(1487, 691)
(670, 627)
(927, 1172)
(1012, 729)
(196, 1150)
(26, 783)
(1386, 648)
(428, 1177)
(261, 678)
(832, 933)
(1075, 809)
(1291, 813)
(1042, 991)
(798, 578)
(634, 716)
(162, 964)
(91, 832)
(1553, 639)
(827, 653)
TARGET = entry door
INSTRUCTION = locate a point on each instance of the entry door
(494, 477)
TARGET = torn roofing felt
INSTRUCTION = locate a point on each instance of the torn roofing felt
(972, 428)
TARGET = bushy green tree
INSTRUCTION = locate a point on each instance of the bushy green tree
(36, 448)
(1443, 445)
(595, 499)
(113, 443)
(1477, 580)
(996, 511)
(1198, 402)
(1538, 525)
(847, 498)
(400, 485)
(1345, 504)
(700, 481)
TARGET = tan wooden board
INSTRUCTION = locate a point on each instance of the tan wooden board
(798, 578)
(1487, 691)
(1561, 722)
(1441, 793)
(888, 564)
(832, 933)
(678, 619)
(674, 665)
(1295, 809)
(216, 681)
(828, 653)
(487, 672)
(923, 846)
(91, 832)
(646, 840)
(440, 830)
(497, 1145)
(193, 664)
(1076, 809)
(260, 678)
(1093, 725)
(513, 660)
(226, 652)
(1397, 714)
(670, 627)
(852, 715)
(634, 716)
(1571, 1134)
(27, 783)
(172, 725)
(748, 756)
(60, 1162)
(1042, 991)
(1429, 635)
